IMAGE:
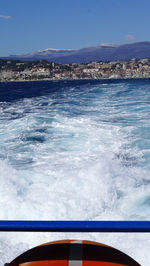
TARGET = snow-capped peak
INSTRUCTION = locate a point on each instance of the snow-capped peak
(53, 49)
(108, 45)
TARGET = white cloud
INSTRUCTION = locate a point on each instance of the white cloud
(5, 17)
(130, 38)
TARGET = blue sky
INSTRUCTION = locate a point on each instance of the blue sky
(30, 25)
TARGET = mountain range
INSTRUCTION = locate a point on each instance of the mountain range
(103, 52)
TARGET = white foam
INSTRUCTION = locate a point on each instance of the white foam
(59, 166)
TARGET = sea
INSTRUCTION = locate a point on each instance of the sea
(75, 150)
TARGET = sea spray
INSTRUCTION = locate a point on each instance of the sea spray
(75, 150)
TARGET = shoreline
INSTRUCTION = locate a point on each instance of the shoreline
(14, 71)
(86, 79)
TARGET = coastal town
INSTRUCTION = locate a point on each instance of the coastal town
(12, 70)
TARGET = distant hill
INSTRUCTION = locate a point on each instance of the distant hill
(103, 52)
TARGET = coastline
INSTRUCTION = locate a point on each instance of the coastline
(65, 80)
(18, 71)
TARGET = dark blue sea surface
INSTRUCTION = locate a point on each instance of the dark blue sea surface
(76, 150)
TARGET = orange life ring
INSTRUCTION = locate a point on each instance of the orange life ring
(73, 253)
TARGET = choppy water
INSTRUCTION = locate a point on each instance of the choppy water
(75, 150)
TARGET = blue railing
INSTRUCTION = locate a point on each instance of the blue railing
(76, 226)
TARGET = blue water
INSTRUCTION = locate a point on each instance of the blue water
(75, 150)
